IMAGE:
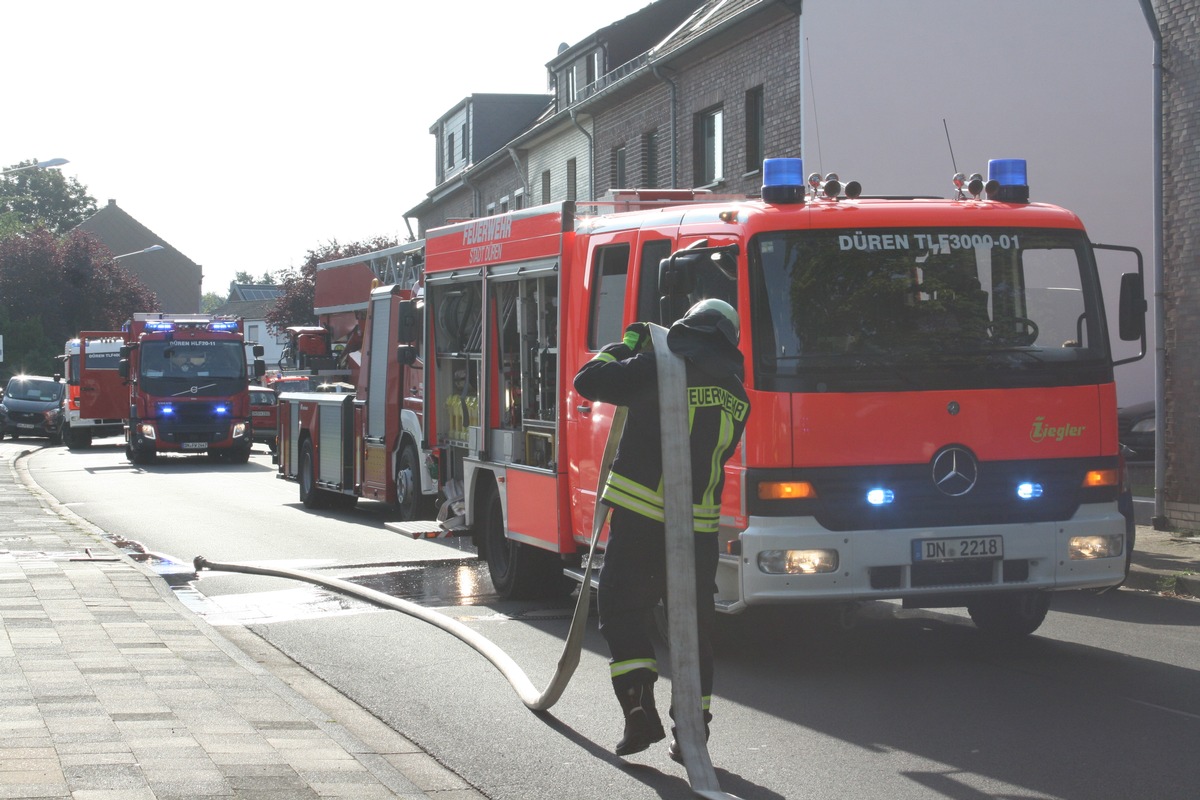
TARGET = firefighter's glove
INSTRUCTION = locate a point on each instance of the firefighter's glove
(636, 335)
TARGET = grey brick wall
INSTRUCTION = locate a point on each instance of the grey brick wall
(1179, 21)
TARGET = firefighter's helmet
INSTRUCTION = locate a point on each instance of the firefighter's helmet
(712, 316)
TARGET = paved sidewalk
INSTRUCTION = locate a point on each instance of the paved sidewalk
(110, 689)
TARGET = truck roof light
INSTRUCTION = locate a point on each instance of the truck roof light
(160, 326)
(783, 180)
(222, 325)
(1011, 180)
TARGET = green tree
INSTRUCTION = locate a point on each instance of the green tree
(42, 198)
(209, 301)
(53, 287)
(295, 305)
(267, 279)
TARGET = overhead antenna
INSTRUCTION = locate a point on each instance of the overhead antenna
(952, 161)
(813, 93)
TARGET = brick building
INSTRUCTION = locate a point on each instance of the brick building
(1179, 26)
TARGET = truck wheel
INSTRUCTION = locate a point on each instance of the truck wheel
(519, 571)
(310, 495)
(409, 500)
(1009, 615)
(142, 455)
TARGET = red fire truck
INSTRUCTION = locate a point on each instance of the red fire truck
(188, 386)
(932, 382)
(363, 442)
(98, 399)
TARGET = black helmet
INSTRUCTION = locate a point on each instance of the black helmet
(712, 316)
(707, 335)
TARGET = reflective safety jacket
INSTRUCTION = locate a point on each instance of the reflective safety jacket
(717, 411)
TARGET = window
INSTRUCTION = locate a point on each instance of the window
(708, 167)
(504, 205)
(653, 252)
(610, 274)
(571, 179)
(464, 143)
(450, 150)
(754, 129)
(518, 199)
(546, 186)
(252, 333)
(571, 85)
(618, 164)
(650, 160)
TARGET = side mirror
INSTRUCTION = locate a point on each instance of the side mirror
(406, 355)
(260, 366)
(126, 350)
(258, 350)
(123, 365)
(408, 322)
(1131, 313)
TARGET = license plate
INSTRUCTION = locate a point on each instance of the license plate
(26, 425)
(260, 413)
(194, 445)
(957, 549)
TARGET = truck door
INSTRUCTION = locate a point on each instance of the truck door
(607, 303)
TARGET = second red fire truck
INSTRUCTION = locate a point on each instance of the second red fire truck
(932, 382)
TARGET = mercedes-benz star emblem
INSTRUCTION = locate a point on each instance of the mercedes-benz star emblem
(955, 471)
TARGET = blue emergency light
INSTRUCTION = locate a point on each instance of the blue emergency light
(1029, 491)
(881, 497)
(223, 325)
(1012, 180)
(166, 409)
(220, 410)
(783, 180)
(160, 325)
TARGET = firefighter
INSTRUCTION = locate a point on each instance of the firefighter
(633, 579)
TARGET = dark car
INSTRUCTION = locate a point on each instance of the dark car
(1135, 430)
(33, 406)
(264, 416)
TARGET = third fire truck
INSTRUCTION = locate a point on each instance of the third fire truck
(934, 408)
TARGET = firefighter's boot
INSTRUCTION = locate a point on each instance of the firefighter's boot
(673, 750)
(643, 727)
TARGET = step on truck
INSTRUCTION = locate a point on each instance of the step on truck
(97, 395)
(188, 386)
(932, 382)
(361, 437)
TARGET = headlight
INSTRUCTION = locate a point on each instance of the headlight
(147, 430)
(1143, 426)
(1083, 548)
(239, 430)
(797, 562)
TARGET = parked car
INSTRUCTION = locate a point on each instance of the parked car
(33, 406)
(264, 416)
(1135, 429)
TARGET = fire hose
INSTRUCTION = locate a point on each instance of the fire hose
(681, 584)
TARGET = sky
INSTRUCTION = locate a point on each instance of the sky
(248, 132)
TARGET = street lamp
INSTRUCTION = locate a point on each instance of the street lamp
(154, 248)
(54, 162)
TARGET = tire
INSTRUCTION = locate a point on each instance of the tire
(1010, 615)
(518, 571)
(310, 495)
(142, 455)
(411, 504)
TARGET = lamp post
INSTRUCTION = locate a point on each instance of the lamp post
(154, 248)
(54, 162)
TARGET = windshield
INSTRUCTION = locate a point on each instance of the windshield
(34, 390)
(173, 367)
(924, 308)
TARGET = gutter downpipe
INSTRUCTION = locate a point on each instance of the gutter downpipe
(654, 68)
(512, 153)
(591, 153)
(1159, 520)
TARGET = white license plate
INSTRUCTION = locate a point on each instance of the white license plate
(194, 445)
(958, 549)
(26, 425)
(260, 413)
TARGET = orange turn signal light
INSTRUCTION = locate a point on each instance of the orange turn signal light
(1101, 477)
(786, 490)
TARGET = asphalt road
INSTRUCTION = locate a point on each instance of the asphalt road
(1103, 702)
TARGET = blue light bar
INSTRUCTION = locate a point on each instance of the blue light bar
(783, 180)
(160, 326)
(1008, 171)
(166, 409)
(1028, 491)
(880, 497)
(219, 410)
(223, 325)
(1012, 180)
